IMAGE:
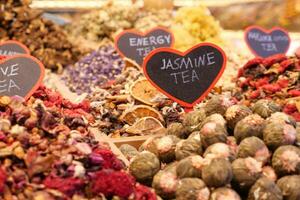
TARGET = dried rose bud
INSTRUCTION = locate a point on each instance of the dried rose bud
(178, 130)
(264, 188)
(144, 166)
(166, 148)
(277, 133)
(254, 147)
(188, 147)
(265, 108)
(252, 125)
(165, 182)
(190, 167)
(236, 113)
(212, 133)
(286, 160)
(217, 173)
(245, 172)
(192, 189)
(217, 104)
(128, 151)
(269, 172)
(290, 187)
(192, 119)
(219, 150)
(224, 194)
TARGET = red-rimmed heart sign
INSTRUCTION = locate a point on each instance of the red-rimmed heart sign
(20, 75)
(137, 45)
(185, 77)
(265, 43)
(12, 47)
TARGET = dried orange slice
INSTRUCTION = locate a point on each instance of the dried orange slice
(133, 114)
(143, 91)
(146, 126)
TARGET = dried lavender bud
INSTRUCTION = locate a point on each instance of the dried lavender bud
(188, 147)
(254, 147)
(252, 125)
(192, 189)
(220, 150)
(217, 173)
(212, 133)
(264, 188)
(245, 172)
(286, 160)
(144, 166)
(190, 167)
(224, 194)
(128, 151)
(277, 133)
(165, 182)
(94, 70)
(265, 108)
(269, 173)
(166, 148)
(217, 118)
(236, 113)
(193, 119)
(178, 130)
(217, 104)
(280, 116)
(290, 187)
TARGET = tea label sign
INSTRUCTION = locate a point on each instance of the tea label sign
(265, 43)
(185, 77)
(136, 45)
(20, 75)
(11, 48)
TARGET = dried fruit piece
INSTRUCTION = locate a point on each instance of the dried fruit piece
(131, 115)
(143, 91)
(146, 126)
(217, 173)
(264, 189)
(144, 166)
(192, 189)
(286, 160)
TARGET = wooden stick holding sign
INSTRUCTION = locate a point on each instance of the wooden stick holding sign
(185, 77)
(136, 45)
(265, 43)
(11, 48)
(20, 75)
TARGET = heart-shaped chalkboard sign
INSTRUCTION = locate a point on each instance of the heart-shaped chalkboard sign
(265, 43)
(11, 48)
(136, 45)
(20, 75)
(185, 77)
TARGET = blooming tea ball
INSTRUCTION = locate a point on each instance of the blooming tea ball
(192, 189)
(236, 113)
(264, 189)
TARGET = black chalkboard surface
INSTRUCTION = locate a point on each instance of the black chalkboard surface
(136, 45)
(265, 43)
(20, 75)
(185, 77)
(11, 48)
